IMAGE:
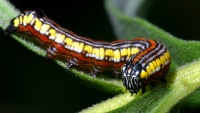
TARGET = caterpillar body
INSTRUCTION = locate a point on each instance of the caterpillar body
(140, 60)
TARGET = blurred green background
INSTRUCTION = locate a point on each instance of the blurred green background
(30, 84)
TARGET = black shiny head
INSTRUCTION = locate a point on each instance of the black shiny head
(131, 76)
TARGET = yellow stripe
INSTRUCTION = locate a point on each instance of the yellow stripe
(134, 50)
(109, 52)
(38, 24)
(158, 62)
(68, 41)
(25, 19)
(80, 48)
(44, 28)
(88, 48)
(167, 55)
(154, 63)
(152, 67)
(30, 17)
(143, 74)
(123, 52)
(58, 38)
(97, 53)
(117, 55)
(20, 20)
(16, 22)
(101, 53)
(162, 60)
(76, 45)
(148, 70)
(128, 52)
(52, 34)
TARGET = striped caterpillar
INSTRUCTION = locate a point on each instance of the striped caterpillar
(139, 60)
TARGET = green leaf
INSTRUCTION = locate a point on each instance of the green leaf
(183, 79)
(190, 103)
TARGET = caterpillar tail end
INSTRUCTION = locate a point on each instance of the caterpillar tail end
(10, 29)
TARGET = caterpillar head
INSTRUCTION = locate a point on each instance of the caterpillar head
(131, 76)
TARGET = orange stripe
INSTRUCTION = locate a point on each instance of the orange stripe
(143, 53)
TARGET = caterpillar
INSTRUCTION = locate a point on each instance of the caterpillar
(140, 61)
